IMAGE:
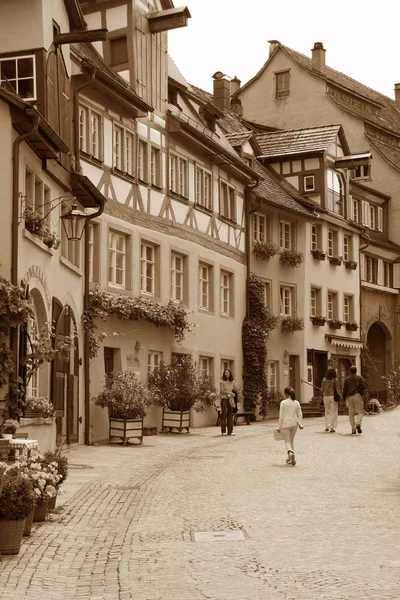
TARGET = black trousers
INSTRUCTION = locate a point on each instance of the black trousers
(226, 415)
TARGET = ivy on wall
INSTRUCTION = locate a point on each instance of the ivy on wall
(256, 327)
(105, 304)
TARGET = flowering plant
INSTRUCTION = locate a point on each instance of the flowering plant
(292, 324)
(40, 405)
(60, 461)
(51, 239)
(265, 250)
(291, 258)
(10, 426)
(17, 499)
(125, 396)
(44, 477)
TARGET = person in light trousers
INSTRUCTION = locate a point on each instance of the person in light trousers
(329, 386)
(290, 417)
(353, 392)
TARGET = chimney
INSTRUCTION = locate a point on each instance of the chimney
(236, 107)
(235, 85)
(273, 44)
(222, 90)
(318, 57)
(397, 95)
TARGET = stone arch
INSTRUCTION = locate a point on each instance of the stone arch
(379, 343)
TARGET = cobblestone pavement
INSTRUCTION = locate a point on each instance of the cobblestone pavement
(124, 529)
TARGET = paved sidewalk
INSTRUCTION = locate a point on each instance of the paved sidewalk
(325, 529)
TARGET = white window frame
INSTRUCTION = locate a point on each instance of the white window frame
(348, 308)
(204, 188)
(315, 301)
(153, 361)
(177, 277)
(115, 255)
(17, 80)
(272, 375)
(142, 160)
(335, 192)
(379, 218)
(90, 131)
(226, 293)
(155, 166)
(148, 268)
(123, 149)
(259, 227)
(268, 294)
(286, 301)
(91, 244)
(332, 305)
(285, 235)
(347, 247)
(309, 183)
(33, 387)
(282, 83)
(205, 286)
(206, 365)
(178, 175)
(227, 207)
(372, 216)
(332, 242)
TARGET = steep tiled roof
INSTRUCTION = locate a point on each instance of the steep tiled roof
(297, 141)
(239, 138)
(176, 75)
(380, 239)
(390, 153)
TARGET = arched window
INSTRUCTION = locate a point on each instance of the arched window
(335, 193)
(32, 388)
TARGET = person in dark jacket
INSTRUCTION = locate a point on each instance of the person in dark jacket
(329, 386)
(353, 392)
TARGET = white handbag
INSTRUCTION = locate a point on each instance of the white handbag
(278, 435)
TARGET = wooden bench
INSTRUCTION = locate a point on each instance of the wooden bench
(236, 416)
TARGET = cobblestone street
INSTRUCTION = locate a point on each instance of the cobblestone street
(126, 523)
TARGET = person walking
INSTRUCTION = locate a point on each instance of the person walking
(353, 392)
(331, 395)
(226, 403)
(290, 417)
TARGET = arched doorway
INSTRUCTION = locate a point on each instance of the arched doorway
(65, 375)
(377, 347)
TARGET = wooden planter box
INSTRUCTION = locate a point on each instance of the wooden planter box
(175, 419)
(350, 264)
(318, 254)
(351, 326)
(335, 324)
(318, 321)
(126, 429)
(335, 260)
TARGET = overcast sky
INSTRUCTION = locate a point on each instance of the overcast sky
(361, 38)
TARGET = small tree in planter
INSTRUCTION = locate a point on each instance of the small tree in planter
(17, 501)
(291, 258)
(265, 250)
(178, 387)
(292, 324)
(128, 401)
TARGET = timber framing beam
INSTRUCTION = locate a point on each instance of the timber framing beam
(93, 35)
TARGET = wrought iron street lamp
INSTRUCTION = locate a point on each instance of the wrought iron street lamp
(74, 223)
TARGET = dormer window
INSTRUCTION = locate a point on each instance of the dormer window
(18, 74)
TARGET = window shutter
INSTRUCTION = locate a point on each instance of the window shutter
(351, 207)
(379, 218)
(380, 279)
(362, 266)
(396, 275)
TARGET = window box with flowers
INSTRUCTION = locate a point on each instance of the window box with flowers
(335, 260)
(335, 324)
(350, 264)
(318, 320)
(318, 254)
(35, 407)
(292, 324)
(265, 250)
(351, 326)
(35, 224)
(291, 258)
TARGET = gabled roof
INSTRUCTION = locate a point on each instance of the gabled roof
(175, 74)
(75, 15)
(299, 141)
(386, 115)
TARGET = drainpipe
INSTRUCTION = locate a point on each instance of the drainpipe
(86, 356)
(248, 212)
(76, 120)
(364, 236)
(35, 120)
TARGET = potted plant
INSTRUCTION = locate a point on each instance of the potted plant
(292, 324)
(265, 250)
(8, 428)
(33, 221)
(351, 325)
(45, 478)
(178, 387)
(51, 239)
(38, 407)
(335, 260)
(291, 258)
(17, 501)
(318, 320)
(61, 464)
(128, 401)
(318, 254)
(335, 323)
(350, 264)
